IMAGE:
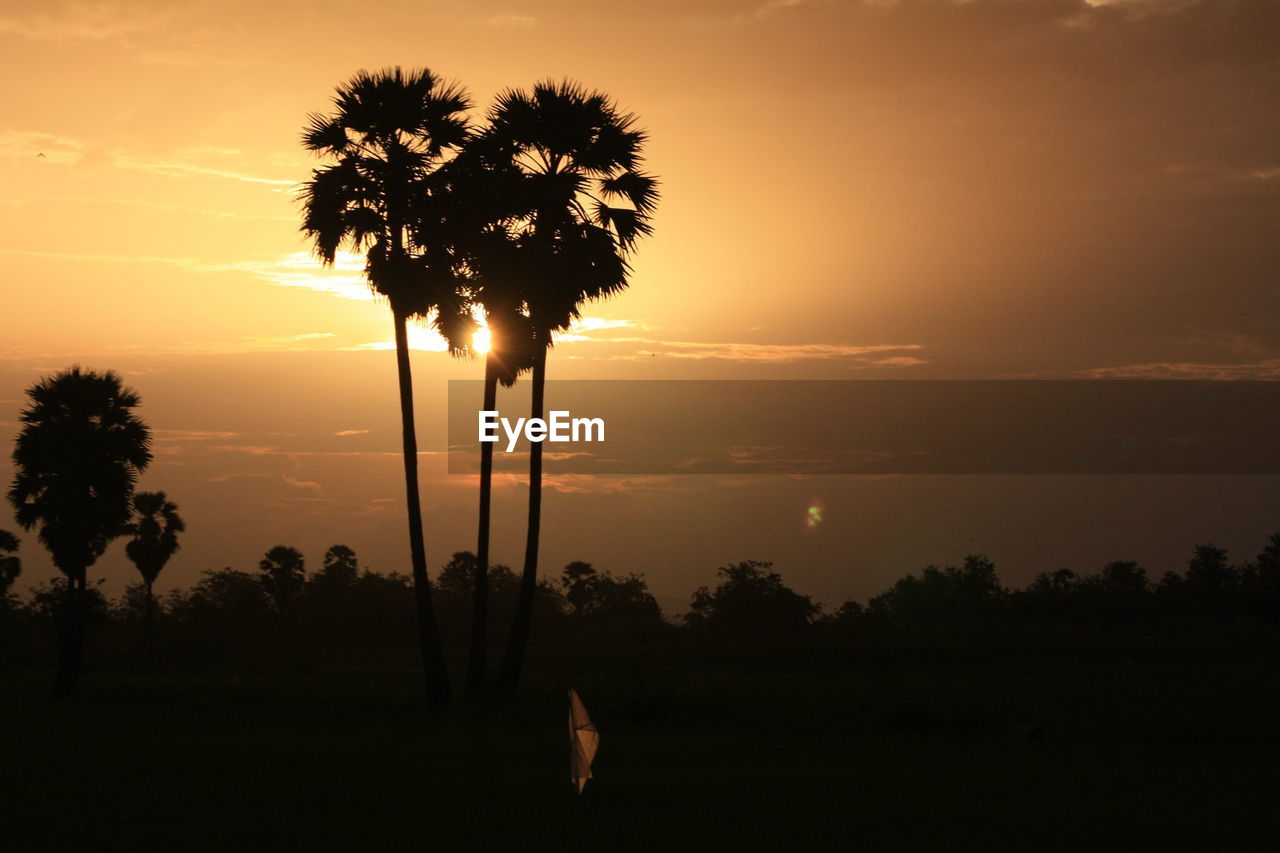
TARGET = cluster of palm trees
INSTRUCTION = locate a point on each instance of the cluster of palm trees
(516, 220)
(77, 459)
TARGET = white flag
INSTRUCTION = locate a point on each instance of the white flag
(583, 741)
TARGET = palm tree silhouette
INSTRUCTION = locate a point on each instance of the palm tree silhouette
(76, 460)
(282, 571)
(10, 562)
(586, 201)
(480, 205)
(155, 528)
(390, 131)
(504, 361)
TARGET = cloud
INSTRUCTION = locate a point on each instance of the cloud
(769, 7)
(273, 450)
(300, 269)
(578, 329)
(226, 478)
(511, 21)
(897, 361)
(301, 484)
(250, 449)
(1264, 369)
(257, 343)
(758, 12)
(297, 269)
(29, 145)
(81, 22)
(180, 170)
(64, 151)
(421, 338)
(151, 205)
(593, 484)
(187, 59)
(192, 434)
(777, 352)
(343, 432)
(580, 332)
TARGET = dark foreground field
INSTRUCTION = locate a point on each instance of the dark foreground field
(715, 751)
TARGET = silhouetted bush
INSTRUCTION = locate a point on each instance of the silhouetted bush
(750, 603)
(609, 609)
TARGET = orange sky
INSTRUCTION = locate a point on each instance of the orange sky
(851, 189)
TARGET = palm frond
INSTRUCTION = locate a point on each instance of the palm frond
(325, 134)
(636, 187)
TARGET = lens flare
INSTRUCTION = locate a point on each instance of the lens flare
(481, 340)
(813, 516)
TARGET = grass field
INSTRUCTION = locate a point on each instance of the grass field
(715, 751)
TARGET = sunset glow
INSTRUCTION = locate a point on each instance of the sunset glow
(1062, 189)
(869, 409)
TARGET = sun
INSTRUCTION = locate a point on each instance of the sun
(481, 339)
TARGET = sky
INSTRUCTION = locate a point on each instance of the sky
(856, 189)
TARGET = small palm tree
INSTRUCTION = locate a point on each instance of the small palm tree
(585, 202)
(77, 459)
(282, 571)
(389, 132)
(10, 562)
(155, 528)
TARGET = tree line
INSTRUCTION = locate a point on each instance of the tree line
(282, 612)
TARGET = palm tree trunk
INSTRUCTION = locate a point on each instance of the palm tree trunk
(149, 629)
(435, 673)
(518, 641)
(477, 663)
(71, 641)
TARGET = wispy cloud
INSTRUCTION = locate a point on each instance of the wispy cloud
(881, 355)
(187, 58)
(29, 145)
(580, 329)
(250, 475)
(148, 205)
(421, 338)
(192, 434)
(756, 12)
(512, 21)
(345, 432)
(257, 343)
(102, 258)
(595, 484)
(297, 269)
(179, 170)
(731, 351)
(300, 269)
(273, 450)
(61, 150)
(82, 22)
(1264, 369)
(302, 484)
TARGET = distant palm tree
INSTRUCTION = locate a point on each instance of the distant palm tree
(10, 563)
(586, 202)
(282, 571)
(155, 528)
(76, 459)
(389, 132)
